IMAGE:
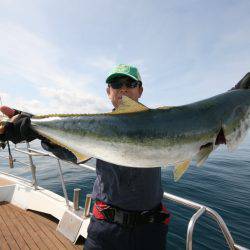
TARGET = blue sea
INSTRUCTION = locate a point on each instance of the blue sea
(223, 184)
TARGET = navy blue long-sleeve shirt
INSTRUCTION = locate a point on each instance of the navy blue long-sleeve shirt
(128, 188)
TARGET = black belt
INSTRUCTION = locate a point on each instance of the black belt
(134, 218)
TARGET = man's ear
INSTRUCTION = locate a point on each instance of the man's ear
(140, 91)
(108, 91)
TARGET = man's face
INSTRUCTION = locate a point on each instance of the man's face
(115, 95)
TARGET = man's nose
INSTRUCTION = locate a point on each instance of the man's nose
(124, 88)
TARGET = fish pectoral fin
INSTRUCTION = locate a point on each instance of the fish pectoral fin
(80, 158)
(203, 154)
(83, 160)
(180, 169)
(129, 106)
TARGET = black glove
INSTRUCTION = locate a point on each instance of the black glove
(19, 130)
(58, 151)
(244, 83)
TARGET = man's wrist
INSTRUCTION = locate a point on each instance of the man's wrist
(17, 112)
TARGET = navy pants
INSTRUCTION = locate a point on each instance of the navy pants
(103, 235)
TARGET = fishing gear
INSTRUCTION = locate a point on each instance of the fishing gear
(4, 143)
(11, 160)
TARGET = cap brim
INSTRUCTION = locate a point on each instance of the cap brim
(119, 74)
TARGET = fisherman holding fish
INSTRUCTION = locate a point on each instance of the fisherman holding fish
(128, 212)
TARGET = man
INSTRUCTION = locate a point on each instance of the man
(127, 213)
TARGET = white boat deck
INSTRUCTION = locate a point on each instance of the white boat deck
(22, 228)
(4, 182)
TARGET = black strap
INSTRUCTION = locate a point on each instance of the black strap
(132, 219)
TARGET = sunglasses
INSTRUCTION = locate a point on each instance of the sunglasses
(118, 85)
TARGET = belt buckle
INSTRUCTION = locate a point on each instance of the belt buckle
(132, 219)
(119, 217)
(148, 216)
(125, 219)
(109, 213)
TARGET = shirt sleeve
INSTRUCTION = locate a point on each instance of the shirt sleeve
(58, 151)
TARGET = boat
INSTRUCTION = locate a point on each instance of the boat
(33, 217)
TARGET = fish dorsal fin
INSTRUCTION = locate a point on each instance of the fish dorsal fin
(180, 169)
(203, 154)
(129, 106)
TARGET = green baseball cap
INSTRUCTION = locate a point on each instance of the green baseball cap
(124, 70)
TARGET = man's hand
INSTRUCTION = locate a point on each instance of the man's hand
(7, 111)
(2, 130)
(17, 128)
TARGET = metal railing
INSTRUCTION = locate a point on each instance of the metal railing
(201, 209)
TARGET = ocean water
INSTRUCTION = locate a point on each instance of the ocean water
(223, 184)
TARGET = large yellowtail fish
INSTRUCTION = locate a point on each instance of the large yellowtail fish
(136, 136)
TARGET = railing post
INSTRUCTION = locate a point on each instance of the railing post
(76, 198)
(190, 230)
(33, 168)
(223, 227)
(63, 184)
(87, 205)
(214, 215)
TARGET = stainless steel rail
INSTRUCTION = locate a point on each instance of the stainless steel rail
(200, 208)
(63, 183)
(191, 224)
(33, 168)
(32, 152)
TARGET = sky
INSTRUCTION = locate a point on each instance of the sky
(55, 55)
